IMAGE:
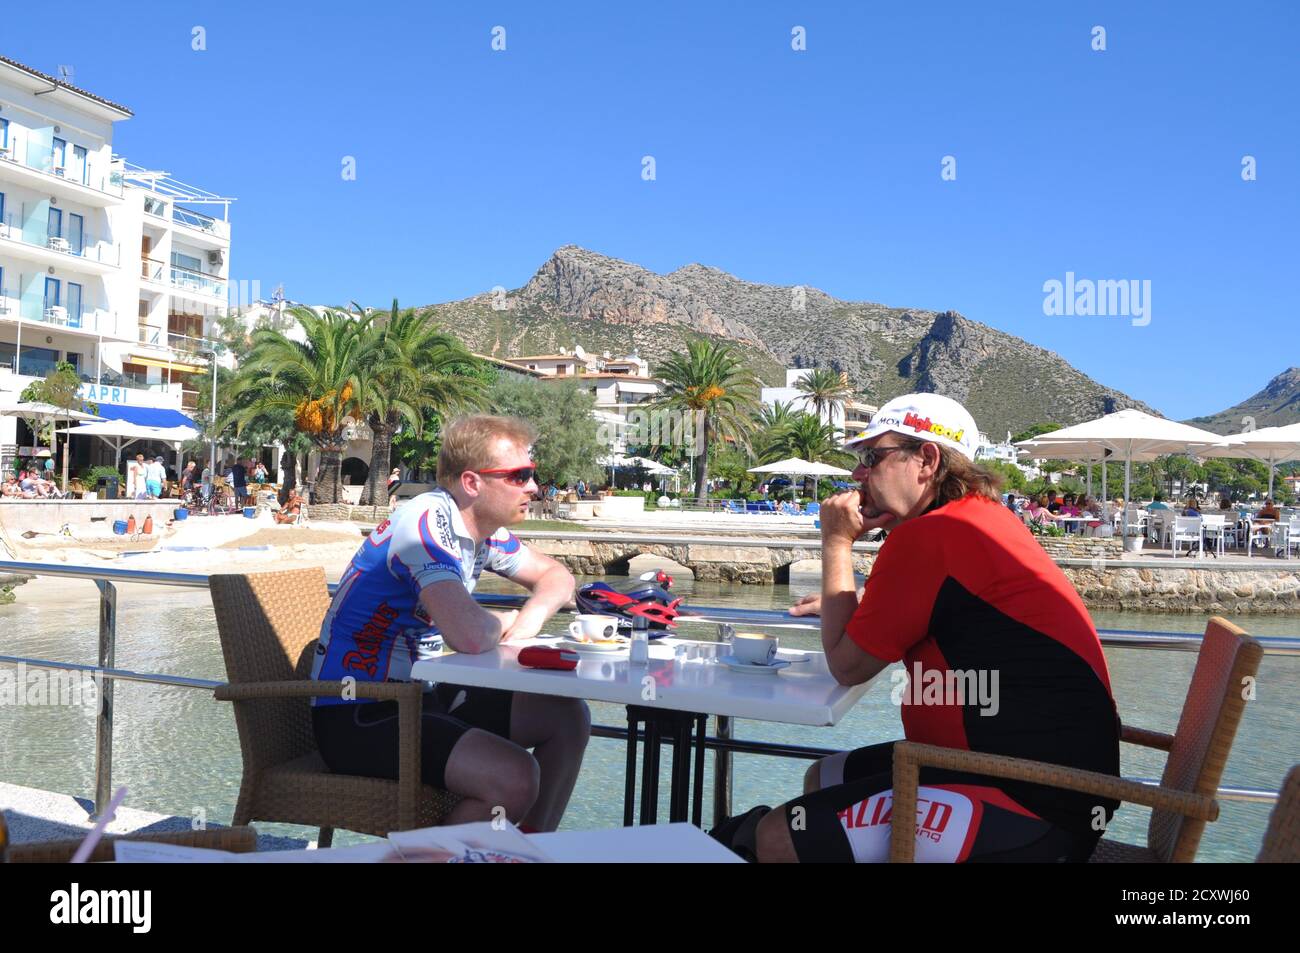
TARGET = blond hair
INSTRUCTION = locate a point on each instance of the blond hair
(470, 443)
(956, 476)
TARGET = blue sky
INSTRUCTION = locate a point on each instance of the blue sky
(818, 167)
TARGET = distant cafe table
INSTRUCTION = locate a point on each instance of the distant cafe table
(668, 693)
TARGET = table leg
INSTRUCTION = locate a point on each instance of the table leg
(650, 774)
(722, 774)
(697, 802)
(629, 790)
(681, 758)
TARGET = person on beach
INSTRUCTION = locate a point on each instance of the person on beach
(239, 480)
(135, 478)
(956, 588)
(291, 510)
(259, 473)
(394, 484)
(154, 476)
(407, 590)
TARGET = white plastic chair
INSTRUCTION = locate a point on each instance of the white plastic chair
(1187, 529)
(1215, 527)
(1291, 535)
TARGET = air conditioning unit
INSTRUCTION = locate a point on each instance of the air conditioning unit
(58, 244)
(216, 258)
(56, 315)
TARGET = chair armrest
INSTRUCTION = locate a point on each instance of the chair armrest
(1146, 738)
(300, 688)
(910, 757)
(408, 696)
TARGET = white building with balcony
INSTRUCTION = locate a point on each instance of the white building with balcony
(73, 218)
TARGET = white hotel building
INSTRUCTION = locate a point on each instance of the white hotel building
(103, 264)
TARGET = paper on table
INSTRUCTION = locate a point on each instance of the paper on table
(147, 852)
(487, 842)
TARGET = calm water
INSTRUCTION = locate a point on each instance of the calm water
(177, 750)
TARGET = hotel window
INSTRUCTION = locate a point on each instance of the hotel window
(80, 167)
(76, 233)
(74, 359)
(55, 224)
(180, 260)
(60, 154)
(4, 133)
(52, 296)
(74, 305)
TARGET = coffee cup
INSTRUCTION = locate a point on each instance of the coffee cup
(593, 628)
(754, 648)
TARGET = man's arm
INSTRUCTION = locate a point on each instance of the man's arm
(552, 587)
(842, 524)
(466, 626)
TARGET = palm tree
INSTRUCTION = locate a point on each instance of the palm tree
(806, 437)
(412, 369)
(317, 379)
(711, 384)
(825, 389)
(770, 420)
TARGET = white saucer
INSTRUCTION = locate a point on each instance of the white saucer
(592, 647)
(752, 668)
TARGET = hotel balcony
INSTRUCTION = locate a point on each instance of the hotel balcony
(94, 322)
(90, 255)
(30, 161)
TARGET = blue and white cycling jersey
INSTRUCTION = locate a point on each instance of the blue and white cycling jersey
(376, 627)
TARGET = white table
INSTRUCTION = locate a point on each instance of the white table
(662, 844)
(684, 692)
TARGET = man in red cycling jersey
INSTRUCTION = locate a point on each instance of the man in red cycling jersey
(1000, 657)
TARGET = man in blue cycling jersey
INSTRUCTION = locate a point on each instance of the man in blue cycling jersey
(407, 590)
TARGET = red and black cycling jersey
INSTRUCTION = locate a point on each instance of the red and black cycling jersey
(965, 592)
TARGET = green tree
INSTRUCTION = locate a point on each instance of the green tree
(1013, 478)
(58, 388)
(710, 380)
(826, 391)
(411, 368)
(806, 437)
(1037, 430)
(317, 380)
(769, 421)
(568, 448)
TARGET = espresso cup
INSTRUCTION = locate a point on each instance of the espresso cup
(754, 647)
(591, 628)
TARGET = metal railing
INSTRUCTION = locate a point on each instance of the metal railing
(88, 248)
(723, 744)
(21, 150)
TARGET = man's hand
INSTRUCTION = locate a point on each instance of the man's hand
(507, 618)
(809, 605)
(847, 516)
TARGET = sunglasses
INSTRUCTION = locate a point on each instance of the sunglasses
(868, 457)
(515, 476)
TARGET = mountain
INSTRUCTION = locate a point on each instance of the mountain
(1277, 404)
(604, 304)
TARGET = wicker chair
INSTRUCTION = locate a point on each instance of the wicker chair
(239, 840)
(1183, 801)
(268, 623)
(1282, 839)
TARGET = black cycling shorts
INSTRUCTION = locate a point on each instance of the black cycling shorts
(361, 738)
(848, 820)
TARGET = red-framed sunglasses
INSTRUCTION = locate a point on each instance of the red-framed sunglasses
(515, 476)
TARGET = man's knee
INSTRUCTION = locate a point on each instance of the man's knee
(812, 778)
(515, 784)
(774, 843)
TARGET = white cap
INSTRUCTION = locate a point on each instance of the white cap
(926, 417)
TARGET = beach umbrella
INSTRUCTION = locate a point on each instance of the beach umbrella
(35, 410)
(1271, 445)
(1129, 435)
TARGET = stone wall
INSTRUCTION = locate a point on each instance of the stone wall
(1082, 547)
(346, 512)
(1201, 590)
